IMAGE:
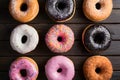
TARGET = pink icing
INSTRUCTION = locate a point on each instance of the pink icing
(20, 64)
(67, 38)
(57, 62)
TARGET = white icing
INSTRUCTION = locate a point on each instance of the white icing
(18, 33)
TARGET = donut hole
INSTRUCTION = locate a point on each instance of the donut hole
(61, 5)
(99, 38)
(59, 70)
(23, 72)
(24, 7)
(24, 39)
(98, 6)
(60, 39)
(98, 70)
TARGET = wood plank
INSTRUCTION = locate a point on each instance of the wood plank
(42, 50)
(42, 3)
(116, 3)
(42, 29)
(78, 76)
(42, 54)
(80, 18)
(43, 18)
(41, 61)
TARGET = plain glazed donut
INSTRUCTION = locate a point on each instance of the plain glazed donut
(97, 10)
(59, 68)
(24, 10)
(96, 38)
(24, 38)
(59, 38)
(97, 68)
(23, 68)
(60, 10)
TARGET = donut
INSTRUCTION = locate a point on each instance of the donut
(59, 38)
(97, 68)
(24, 38)
(59, 68)
(60, 10)
(24, 10)
(97, 10)
(23, 68)
(96, 38)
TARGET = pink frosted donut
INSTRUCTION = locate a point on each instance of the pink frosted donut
(59, 38)
(23, 68)
(59, 68)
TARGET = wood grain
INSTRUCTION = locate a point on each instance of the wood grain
(42, 23)
(42, 29)
(42, 50)
(42, 60)
(43, 18)
(78, 76)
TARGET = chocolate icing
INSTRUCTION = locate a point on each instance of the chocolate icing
(97, 38)
(60, 9)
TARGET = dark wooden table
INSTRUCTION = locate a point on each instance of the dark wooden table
(41, 54)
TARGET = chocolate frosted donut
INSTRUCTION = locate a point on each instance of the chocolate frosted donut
(60, 10)
(96, 38)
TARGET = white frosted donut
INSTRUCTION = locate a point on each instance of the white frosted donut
(24, 38)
